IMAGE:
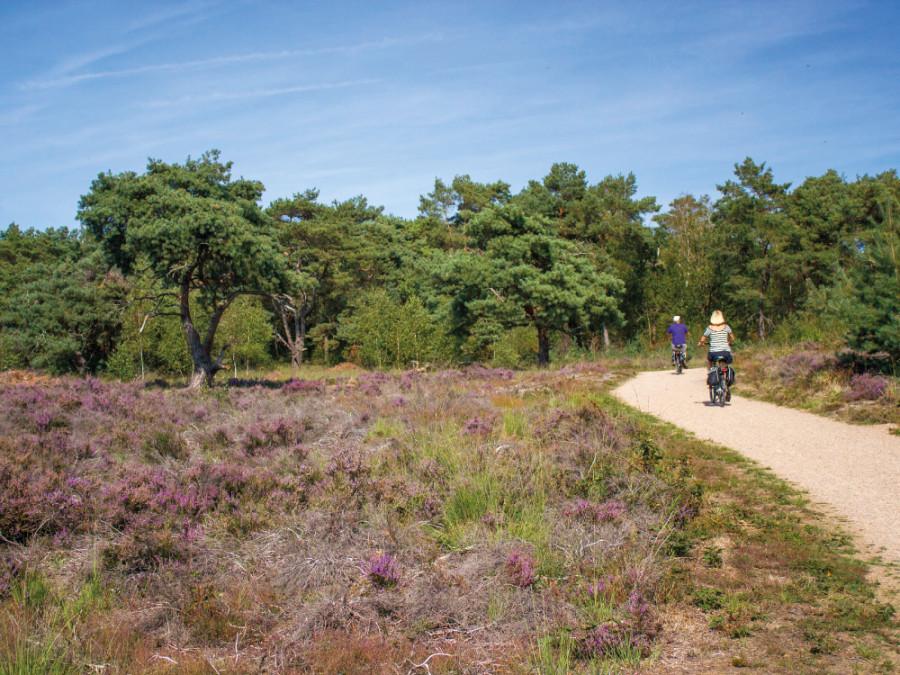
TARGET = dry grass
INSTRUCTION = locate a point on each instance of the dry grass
(449, 522)
(811, 377)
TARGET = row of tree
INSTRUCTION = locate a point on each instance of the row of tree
(180, 269)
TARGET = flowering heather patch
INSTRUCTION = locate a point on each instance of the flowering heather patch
(9, 573)
(347, 467)
(295, 386)
(845, 384)
(587, 426)
(521, 568)
(239, 499)
(865, 386)
(382, 571)
(798, 366)
(371, 384)
(588, 511)
(478, 426)
(633, 635)
(409, 378)
(431, 508)
(684, 514)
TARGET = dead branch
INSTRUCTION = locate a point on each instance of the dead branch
(424, 663)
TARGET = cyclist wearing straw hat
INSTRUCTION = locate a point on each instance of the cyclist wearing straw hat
(720, 339)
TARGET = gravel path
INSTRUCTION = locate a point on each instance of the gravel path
(853, 469)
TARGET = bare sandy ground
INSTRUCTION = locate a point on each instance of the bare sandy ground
(855, 470)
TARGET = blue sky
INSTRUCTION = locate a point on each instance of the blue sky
(380, 98)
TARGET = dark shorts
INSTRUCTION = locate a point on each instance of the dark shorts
(712, 356)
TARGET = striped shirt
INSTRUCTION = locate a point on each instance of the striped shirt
(718, 339)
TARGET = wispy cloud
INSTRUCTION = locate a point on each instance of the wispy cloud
(19, 115)
(195, 11)
(261, 93)
(217, 62)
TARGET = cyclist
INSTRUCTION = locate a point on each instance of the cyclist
(679, 333)
(720, 340)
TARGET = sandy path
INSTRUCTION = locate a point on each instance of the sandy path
(853, 469)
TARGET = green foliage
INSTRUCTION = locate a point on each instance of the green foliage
(19, 250)
(751, 242)
(199, 234)
(62, 317)
(684, 279)
(148, 342)
(248, 332)
(25, 658)
(514, 348)
(383, 332)
(159, 348)
(568, 261)
(521, 274)
(448, 208)
(606, 222)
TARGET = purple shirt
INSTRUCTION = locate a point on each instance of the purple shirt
(679, 332)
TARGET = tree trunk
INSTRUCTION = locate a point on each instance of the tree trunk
(762, 324)
(605, 337)
(294, 338)
(543, 346)
(205, 368)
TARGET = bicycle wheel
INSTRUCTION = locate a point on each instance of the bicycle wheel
(720, 396)
(712, 395)
(678, 368)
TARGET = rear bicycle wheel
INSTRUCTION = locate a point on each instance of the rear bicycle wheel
(720, 396)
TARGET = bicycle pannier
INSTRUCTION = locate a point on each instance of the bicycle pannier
(712, 378)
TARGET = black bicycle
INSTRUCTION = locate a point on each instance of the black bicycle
(718, 382)
(679, 359)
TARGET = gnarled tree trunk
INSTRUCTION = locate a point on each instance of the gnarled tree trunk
(543, 346)
(293, 322)
(205, 367)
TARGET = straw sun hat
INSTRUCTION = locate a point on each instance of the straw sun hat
(717, 319)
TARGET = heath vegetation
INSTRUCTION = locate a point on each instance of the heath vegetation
(459, 521)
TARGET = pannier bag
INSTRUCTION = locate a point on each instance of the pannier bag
(712, 377)
(730, 376)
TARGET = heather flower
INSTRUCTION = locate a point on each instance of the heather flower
(610, 511)
(866, 387)
(521, 568)
(303, 386)
(431, 508)
(685, 513)
(639, 612)
(599, 588)
(478, 426)
(382, 571)
(493, 520)
(588, 511)
(9, 573)
(408, 378)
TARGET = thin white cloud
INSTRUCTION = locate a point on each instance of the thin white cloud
(217, 62)
(19, 115)
(193, 10)
(261, 93)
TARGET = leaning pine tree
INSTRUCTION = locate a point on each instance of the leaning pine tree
(201, 234)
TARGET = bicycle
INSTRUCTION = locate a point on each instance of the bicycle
(717, 380)
(679, 358)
